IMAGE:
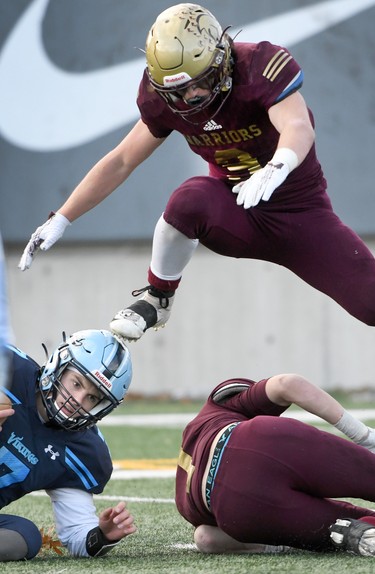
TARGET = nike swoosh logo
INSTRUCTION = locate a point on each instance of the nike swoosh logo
(42, 105)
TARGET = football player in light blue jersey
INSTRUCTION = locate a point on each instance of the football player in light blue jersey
(50, 441)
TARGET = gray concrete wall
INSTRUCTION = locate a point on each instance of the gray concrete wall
(230, 318)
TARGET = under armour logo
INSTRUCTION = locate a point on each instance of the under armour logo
(54, 455)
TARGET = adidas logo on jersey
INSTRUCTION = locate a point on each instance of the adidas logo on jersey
(212, 125)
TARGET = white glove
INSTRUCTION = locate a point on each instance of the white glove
(263, 182)
(44, 237)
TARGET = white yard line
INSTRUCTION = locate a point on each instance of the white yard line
(181, 419)
(118, 498)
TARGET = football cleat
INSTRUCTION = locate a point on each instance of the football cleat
(151, 310)
(354, 536)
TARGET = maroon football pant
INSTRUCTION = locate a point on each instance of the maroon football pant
(277, 480)
(305, 237)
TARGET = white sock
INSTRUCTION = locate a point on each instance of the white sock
(354, 429)
(171, 251)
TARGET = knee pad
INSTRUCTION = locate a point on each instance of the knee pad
(20, 538)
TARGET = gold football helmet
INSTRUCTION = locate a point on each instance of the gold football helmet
(187, 46)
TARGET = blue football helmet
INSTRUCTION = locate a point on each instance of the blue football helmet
(103, 359)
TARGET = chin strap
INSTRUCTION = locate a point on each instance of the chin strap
(97, 544)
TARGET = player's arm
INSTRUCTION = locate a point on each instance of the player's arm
(287, 389)
(6, 409)
(291, 119)
(110, 172)
(79, 528)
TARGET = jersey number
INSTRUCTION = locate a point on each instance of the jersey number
(12, 470)
(236, 160)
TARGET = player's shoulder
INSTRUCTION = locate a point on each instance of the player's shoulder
(147, 95)
(247, 51)
(89, 440)
(21, 357)
(265, 72)
(24, 369)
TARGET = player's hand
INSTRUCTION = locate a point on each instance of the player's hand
(261, 185)
(44, 237)
(116, 522)
(5, 408)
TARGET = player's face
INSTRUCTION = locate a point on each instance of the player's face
(195, 93)
(84, 393)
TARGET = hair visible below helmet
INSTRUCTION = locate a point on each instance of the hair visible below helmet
(103, 359)
(187, 45)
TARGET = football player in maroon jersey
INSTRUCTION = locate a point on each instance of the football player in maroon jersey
(250, 480)
(239, 107)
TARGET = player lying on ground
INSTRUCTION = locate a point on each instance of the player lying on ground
(50, 441)
(239, 106)
(247, 476)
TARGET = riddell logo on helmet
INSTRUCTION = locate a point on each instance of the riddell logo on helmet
(176, 80)
(102, 379)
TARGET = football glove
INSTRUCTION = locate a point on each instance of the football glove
(43, 238)
(354, 536)
(262, 183)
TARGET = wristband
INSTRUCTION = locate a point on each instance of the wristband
(286, 156)
(97, 544)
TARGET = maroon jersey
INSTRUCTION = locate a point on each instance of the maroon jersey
(268, 479)
(240, 139)
(200, 432)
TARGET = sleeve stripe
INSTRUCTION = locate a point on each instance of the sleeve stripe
(80, 469)
(279, 69)
(276, 64)
(10, 395)
(293, 86)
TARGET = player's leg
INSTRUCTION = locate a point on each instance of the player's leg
(329, 256)
(20, 539)
(194, 210)
(171, 252)
(313, 243)
(277, 479)
(212, 540)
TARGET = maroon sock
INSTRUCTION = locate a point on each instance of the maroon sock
(162, 284)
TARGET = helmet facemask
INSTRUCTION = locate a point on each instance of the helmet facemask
(70, 415)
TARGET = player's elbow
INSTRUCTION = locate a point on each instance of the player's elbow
(289, 386)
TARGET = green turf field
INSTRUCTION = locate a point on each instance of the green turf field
(163, 543)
